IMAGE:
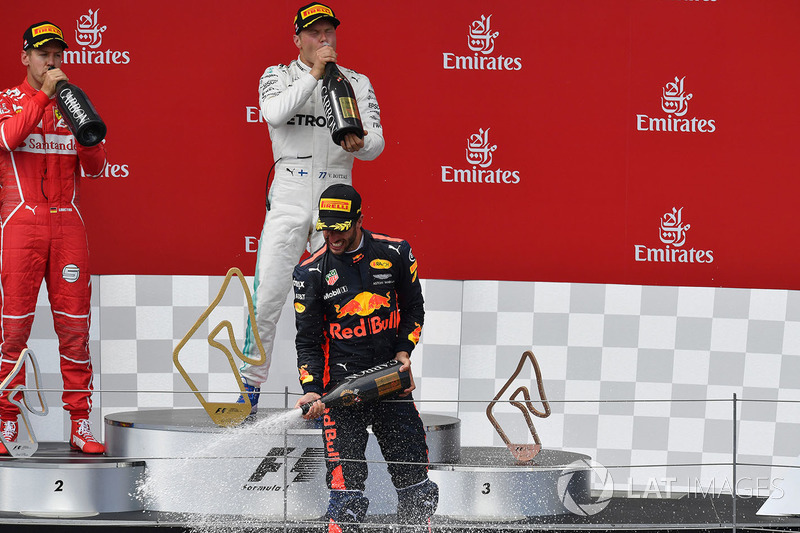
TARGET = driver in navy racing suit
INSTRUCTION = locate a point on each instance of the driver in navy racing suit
(358, 303)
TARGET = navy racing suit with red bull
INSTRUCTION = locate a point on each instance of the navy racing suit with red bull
(352, 312)
(355, 310)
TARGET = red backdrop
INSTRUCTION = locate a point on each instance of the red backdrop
(566, 107)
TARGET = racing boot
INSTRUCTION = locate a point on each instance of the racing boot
(416, 505)
(9, 430)
(253, 393)
(82, 438)
(346, 511)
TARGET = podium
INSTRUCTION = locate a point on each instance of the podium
(63, 483)
(179, 461)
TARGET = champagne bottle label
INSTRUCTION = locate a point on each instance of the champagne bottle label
(73, 107)
(388, 384)
(340, 105)
(345, 397)
(79, 113)
(349, 108)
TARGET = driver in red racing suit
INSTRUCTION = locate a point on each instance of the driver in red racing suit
(358, 303)
(43, 236)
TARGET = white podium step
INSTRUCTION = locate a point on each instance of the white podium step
(274, 468)
(59, 482)
(245, 469)
(271, 469)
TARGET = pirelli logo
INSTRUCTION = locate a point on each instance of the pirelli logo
(332, 204)
(46, 28)
(316, 10)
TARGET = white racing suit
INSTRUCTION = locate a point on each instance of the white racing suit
(307, 162)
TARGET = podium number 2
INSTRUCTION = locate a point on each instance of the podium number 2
(59, 485)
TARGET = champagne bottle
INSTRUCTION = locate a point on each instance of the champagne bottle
(380, 382)
(339, 102)
(79, 113)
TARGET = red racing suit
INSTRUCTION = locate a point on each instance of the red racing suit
(43, 237)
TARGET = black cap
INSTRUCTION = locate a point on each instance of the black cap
(309, 14)
(339, 207)
(41, 33)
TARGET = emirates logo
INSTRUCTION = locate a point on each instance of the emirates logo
(672, 232)
(481, 37)
(675, 103)
(480, 156)
(89, 35)
(479, 149)
(481, 42)
(89, 32)
(674, 99)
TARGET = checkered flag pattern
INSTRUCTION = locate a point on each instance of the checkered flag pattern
(640, 378)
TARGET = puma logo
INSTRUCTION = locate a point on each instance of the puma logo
(395, 248)
(32, 209)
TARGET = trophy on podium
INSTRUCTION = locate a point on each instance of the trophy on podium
(22, 448)
(522, 452)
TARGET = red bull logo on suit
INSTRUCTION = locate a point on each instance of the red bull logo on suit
(371, 326)
(364, 304)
